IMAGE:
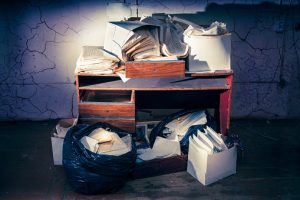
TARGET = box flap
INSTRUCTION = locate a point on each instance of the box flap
(131, 25)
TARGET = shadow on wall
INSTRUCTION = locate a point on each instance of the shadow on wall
(265, 56)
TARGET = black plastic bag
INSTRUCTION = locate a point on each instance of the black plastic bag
(92, 173)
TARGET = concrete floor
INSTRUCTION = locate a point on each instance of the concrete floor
(269, 168)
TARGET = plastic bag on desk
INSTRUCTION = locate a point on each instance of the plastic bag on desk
(93, 173)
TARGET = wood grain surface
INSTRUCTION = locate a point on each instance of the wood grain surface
(155, 69)
(107, 109)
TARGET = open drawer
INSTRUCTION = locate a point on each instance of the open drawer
(105, 103)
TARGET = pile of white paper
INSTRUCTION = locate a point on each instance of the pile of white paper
(171, 37)
(176, 129)
(162, 148)
(142, 45)
(132, 40)
(209, 141)
(96, 60)
(106, 142)
(216, 28)
(181, 125)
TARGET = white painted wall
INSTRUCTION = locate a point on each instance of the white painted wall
(40, 42)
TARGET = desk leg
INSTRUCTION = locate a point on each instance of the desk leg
(224, 107)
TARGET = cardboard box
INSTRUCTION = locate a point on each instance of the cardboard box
(57, 149)
(208, 53)
(57, 141)
(207, 168)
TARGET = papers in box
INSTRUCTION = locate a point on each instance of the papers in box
(209, 159)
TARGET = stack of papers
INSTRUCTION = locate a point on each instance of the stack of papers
(132, 40)
(96, 60)
(171, 37)
(142, 45)
(181, 125)
(106, 142)
(209, 141)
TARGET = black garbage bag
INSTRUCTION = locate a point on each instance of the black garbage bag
(93, 173)
(184, 143)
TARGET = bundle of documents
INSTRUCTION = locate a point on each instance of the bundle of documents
(171, 37)
(132, 40)
(209, 141)
(181, 125)
(142, 45)
(209, 159)
(96, 60)
(106, 142)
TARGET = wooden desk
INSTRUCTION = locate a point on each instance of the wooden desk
(106, 98)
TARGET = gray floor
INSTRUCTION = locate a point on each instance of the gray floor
(268, 169)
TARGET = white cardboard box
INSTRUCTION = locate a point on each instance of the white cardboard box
(207, 168)
(57, 149)
(209, 53)
(57, 142)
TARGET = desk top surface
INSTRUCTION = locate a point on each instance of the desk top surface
(188, 74)
(186, 83)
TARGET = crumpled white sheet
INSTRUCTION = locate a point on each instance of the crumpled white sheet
(216, 28)
(162, 148)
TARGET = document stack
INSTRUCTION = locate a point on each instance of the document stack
(96, 60)
(171, 37)
(143, 44)
(132, 40)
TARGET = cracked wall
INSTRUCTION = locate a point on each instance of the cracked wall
(40, 42)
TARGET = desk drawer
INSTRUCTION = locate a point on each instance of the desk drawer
(106, 96)
(105, 103)
(155, 69)
(107, 109)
